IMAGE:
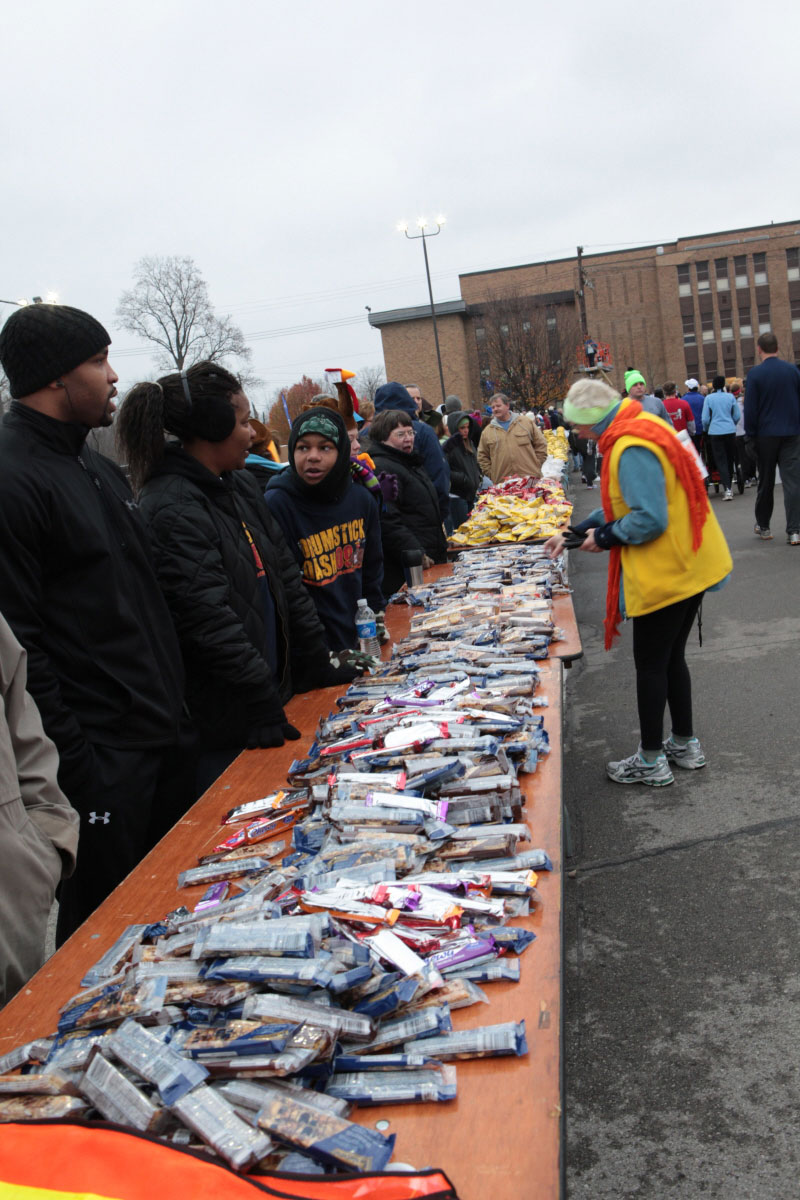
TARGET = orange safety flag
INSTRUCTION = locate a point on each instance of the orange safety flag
(62, 1160)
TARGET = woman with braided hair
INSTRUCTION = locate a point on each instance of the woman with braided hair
(249, 633)
(666, 550)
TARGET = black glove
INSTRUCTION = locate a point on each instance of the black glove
(605, 537)
(573, 538)
(336, 676)
(260, 737)
(380, 627)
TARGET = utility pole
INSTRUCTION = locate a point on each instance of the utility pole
(582, 295)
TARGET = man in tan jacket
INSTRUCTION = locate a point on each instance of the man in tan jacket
(38, 826)
(510, 444)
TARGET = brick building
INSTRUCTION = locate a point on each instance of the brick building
(693, 307)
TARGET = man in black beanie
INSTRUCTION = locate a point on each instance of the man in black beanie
(78, 590)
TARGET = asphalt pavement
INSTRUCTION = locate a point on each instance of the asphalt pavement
(682, 924)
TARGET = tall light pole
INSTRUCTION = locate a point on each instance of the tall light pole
(422, 226)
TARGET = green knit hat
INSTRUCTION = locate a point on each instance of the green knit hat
(632, 377)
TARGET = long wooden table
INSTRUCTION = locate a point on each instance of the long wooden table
(502, 1136)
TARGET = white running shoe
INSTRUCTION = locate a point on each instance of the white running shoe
(728, 494)
(637, 770)
(689, 755)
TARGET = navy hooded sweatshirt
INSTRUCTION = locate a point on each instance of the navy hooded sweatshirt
(426, 443)
(333, 530)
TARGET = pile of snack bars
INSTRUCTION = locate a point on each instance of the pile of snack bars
(308, 979)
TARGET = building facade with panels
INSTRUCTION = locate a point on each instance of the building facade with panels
(693, 307)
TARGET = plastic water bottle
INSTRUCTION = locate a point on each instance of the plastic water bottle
(367, 629)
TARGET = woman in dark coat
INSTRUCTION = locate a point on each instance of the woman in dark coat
(465, 474)
(412, 521)
(249, 632)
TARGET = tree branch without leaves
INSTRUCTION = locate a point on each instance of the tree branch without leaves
(169, 306)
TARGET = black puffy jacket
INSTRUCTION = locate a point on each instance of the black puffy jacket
(207, 571)
(413, 521)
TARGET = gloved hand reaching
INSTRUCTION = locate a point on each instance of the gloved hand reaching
(357, 659)
(380, 627)
(260, 737)
(267, 726)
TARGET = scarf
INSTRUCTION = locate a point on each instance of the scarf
(659, 433)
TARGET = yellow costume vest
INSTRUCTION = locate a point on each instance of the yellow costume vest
(667, 569)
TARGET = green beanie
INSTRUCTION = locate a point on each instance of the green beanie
(632, 377)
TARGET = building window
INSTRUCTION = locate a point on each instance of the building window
(747, 361)
(721, 269)
(726, 331)
(795, 310)
(551, 323)
(480, 333)
(684, 282)
(740, 271)
(703, 282)
(764, 323)
(526, 326)
(759, 268)
(707, 326)
(689, 332)
(484, 372)
(504, 330)
(793, 264)
(745, 322)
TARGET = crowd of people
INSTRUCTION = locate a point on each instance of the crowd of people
(156, 621)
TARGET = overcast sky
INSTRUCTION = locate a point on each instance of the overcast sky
(279, 145)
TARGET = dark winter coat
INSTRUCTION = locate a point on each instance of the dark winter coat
(413, 521)
(208, 573)
(426, 443)
(332, 529)
(78, 589)
(465, 474)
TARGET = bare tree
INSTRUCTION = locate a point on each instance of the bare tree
(527, 347)
(5, 392)
(169, 306)
(368, 380)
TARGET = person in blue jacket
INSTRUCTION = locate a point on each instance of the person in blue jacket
(331, 525)
(719, 417)
(426, 444)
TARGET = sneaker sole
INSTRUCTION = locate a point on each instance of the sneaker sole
(686, 766)
(646, 782)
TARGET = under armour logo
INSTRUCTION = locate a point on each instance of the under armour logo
(95, 817)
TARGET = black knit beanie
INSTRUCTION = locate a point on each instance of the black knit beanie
(40, 342)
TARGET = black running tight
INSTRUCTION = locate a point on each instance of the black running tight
(662, 676)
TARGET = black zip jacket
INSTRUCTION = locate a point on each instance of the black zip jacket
(78, 588)
(413, 521)
(207, 570)
(465, 473)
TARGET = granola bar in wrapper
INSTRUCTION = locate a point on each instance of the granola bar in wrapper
(113, 959)
(41, 1108)
(51, 1083)
(212, 1118)
(239, 1037)
(488, 1041)
(117, 1099)
(394, 1087)
(338, 1021)
(159, 1064)
(325, 1136)
(254, 1096)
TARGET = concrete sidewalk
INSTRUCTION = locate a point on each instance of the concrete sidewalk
(682, 924)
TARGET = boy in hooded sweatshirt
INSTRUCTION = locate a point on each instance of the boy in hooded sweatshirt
(330, 523)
